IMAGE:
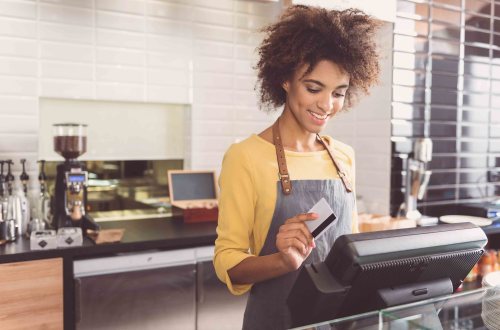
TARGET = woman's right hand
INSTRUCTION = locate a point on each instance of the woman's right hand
(294, 240)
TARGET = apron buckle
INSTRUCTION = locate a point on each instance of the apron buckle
(286, 185)
(284, 177)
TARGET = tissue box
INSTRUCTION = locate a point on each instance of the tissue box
(43, 240)
(69, 236)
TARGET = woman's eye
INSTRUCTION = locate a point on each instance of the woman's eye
(311, 90)
(339, 95)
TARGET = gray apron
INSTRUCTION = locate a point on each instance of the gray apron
(266, 305)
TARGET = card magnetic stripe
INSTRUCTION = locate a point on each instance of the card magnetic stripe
(323, 225)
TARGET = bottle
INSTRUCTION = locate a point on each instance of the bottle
(43, 208)
(24, 178)
(9, 178)
(21, 209)
(14, 218)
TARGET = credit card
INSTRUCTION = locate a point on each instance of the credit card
(325, 218)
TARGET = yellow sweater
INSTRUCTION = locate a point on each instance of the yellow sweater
(248, 195)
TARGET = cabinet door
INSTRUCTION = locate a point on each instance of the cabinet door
(31, 294)
(217, 308)
(162, 298)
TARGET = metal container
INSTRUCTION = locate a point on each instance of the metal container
(35, 224)
(8, 230)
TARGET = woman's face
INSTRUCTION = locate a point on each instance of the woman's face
(314, 98)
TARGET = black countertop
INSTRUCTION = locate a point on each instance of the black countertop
(145, 234)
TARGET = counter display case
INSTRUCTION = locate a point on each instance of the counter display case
(469, 310)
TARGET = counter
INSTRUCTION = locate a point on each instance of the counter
(162, 233)
(140, 235)
(477, 309)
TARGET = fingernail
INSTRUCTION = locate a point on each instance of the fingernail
(315, 214)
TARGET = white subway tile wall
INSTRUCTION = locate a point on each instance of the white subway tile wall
(197, 52)
(194, 52)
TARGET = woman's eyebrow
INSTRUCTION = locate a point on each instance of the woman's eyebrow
(317, 82)
(323, 85)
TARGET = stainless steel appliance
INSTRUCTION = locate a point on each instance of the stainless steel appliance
(151, 290)
(70, 141)
(175, 289)
(417, 177)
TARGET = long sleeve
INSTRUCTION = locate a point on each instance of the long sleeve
(236, 215)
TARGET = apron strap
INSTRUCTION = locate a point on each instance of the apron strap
(340, 170)
(286, 184)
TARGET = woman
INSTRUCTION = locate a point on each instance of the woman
(312, 61)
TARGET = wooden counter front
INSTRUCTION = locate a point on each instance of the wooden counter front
(32, 294)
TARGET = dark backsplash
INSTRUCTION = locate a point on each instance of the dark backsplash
(446, 86)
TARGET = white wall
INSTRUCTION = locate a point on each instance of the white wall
(119, 130)
(173, 51)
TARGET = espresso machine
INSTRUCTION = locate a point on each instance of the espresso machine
(417, 178)
(70, 141)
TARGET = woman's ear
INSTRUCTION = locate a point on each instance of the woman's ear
(286, 86)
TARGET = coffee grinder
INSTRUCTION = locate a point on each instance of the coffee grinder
(70, 141)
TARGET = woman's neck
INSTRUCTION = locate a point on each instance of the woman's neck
(294, 136)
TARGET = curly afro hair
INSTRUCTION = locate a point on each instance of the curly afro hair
(308, 35)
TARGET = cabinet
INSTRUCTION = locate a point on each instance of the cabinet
(154, 290)
(32, 294)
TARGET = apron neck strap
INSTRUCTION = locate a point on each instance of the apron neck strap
(340, 169)
(286, 184)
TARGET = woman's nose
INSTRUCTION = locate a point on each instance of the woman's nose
(326, 103)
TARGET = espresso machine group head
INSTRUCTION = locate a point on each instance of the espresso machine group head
(70, 141)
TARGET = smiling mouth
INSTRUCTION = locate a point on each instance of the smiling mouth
(316, 115)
